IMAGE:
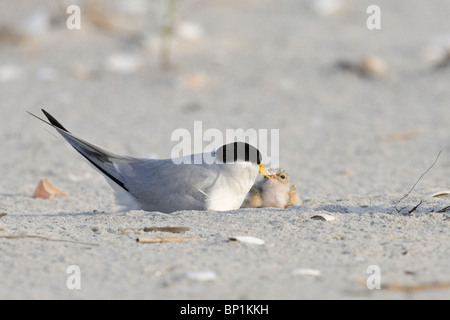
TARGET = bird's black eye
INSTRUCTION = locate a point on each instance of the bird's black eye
(283, 176)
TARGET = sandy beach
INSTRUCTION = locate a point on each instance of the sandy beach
(362, 115)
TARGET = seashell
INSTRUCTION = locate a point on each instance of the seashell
(47, 190)
(370, 66)
(445, 193)
(307, 272)
(437, 51)
(190, 30)
(374, 65)
(323, 217)
(206, 275)
(77, 178)
(327, 8)
(124, 63)
(247, 239)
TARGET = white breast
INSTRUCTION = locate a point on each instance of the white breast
(231, 186)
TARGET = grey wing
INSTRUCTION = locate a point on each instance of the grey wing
(165, 186)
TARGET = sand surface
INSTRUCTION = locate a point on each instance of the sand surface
(353, 144)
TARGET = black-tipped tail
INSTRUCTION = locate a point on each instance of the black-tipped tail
(53, 121)
(100, 158)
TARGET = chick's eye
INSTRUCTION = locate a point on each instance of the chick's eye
(283, 176)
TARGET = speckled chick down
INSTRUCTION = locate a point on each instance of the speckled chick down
(278, 193)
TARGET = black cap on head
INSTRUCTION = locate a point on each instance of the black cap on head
(238, 151)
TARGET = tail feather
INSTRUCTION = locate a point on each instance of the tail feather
(54, 122)
(105, 161)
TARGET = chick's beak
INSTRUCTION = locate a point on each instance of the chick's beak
(266, 173)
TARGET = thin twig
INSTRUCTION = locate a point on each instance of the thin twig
(24, 236)
(412, 188)
(160, 240)
(156, 229)
(417, 287)
(415, 208)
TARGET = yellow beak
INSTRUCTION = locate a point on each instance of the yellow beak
(266, 173)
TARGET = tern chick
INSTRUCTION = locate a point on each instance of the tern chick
(278, 192)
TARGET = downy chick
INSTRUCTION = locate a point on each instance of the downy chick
(278, 193)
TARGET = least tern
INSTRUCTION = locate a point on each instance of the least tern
(168, 185)
(278, 192)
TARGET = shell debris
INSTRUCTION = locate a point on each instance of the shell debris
(247, 239)
(123, 63)
(437, 51)
(327, 8)
(47, 190)
(189, 30)
(206, 275)
(439, 194)
(370, 66)
(323, 217)
(307, 272)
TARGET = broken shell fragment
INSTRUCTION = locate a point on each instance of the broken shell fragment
(370, 66)
(323, 217)
(374, 65)
(326, 8)
(190, 30)
(123, 63)
(247, 239)
(206, 275)
(307, 272)
(47, 190)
